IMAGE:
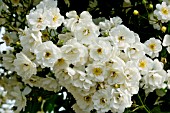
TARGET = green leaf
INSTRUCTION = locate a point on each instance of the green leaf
(168, 27)
(163, 53)
(156, 109)
(67, 2)
(161, 92)
(127, 111)
(92, 5)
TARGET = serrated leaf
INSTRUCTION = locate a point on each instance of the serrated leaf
(92, 5)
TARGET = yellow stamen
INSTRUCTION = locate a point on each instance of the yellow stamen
(55, 18)
(164, 11)
(86, 32)
(99, 50)
(121, 38)
(97, 71)
(47, 55)
(142, 64)
(40, 20)
(152, 46)
(61, 61)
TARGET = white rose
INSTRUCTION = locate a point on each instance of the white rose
(24, 66)
(47, 54)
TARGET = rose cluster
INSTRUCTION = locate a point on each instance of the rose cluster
(102, 65)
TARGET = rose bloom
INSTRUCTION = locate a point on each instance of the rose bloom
(24, 66)
(47, 54)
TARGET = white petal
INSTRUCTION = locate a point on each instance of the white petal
(166, 41)
(26, 91)
(168, 49)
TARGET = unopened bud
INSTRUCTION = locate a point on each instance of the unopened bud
(39, 99)
(116, 85)
(136, 12)
(17, 43)
(163, 29)
(106, 34)
(30, 98)
(150, 6)
(163, 60)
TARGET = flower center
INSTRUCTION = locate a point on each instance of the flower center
(121, 38)
(116, 86)
(86, 32)
(113, 74)
(164, 11)
(55, 18)
(87, 98)
(47, 55)
(99, 50)
(60, 61)
(103, 101)
(152, 46)
(73, 51)
(97, 71)
(26, 65)
(40, 20)
(118, 97)
(133, 50)
(142, 64)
